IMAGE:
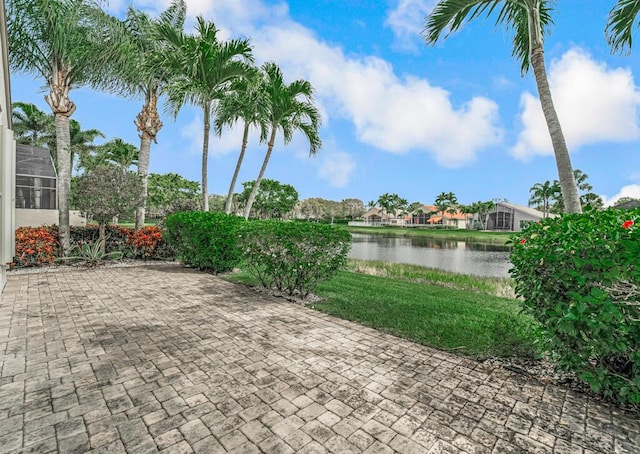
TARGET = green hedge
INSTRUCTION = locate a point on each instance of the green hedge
(205, 240)
(579, 276)
(293, 257)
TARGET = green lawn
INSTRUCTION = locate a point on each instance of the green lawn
(467, 322)
(454, 234)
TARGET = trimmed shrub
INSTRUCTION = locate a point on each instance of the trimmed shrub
(205, 240)
(149, 243)
(293, 257)
(579, 276)
(36, 246)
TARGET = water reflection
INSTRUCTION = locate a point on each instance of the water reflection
(451, 255)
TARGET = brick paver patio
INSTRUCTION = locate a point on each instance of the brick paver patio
(161, 358)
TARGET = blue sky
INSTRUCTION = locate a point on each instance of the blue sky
(400, 116)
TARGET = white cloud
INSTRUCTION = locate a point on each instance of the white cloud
(407, 20)
(336, 168)
(390, 113)
(631, 190)
(595, 103)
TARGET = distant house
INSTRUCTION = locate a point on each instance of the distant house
(378, 216)
(511, 217)
(428, 215)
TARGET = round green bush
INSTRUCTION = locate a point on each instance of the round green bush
(205, 240)
(579, 276)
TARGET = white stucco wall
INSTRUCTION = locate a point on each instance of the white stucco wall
(36, 218)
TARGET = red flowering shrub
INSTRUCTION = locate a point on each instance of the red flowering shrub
(579, 276)
(36, 246)
(146, 240)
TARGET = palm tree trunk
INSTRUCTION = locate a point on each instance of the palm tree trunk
(256, 186)
(148, 125)
(245, 135)
(64, 181)
(205, 156)
(563, 161)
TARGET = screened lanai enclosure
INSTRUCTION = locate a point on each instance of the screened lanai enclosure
(35, 179)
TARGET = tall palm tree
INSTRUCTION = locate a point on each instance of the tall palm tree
(68, 43)
(542, 194)
(203, 68)
(140, 78)
(528, 19)
(290, 108)
(445, 203)
(31, 125)
(622, 19)
(245, 101)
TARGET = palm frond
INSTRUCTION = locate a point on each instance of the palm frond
(620, 24)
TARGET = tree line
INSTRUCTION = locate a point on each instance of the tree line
(74, 43)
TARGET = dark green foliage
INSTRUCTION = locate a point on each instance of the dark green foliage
(205, 240)
(293, 257)
(579, 276)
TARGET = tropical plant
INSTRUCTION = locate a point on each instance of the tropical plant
(168, 193)
(245, 101)
(142, 78)
(32, 126)
(620, 23)
(587, 197)
(391, 203)
(115, 152)
(542, 194)
(446, 202)
(529, 20)
(68, 43)
(202, 68)
(290, 108)
(91, 254)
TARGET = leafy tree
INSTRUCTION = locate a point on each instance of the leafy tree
(170, 192)
(245, 101)
(290, 108)
(31, 125)
(273, 199)
(202, 67)
(104, 193)
(68, 43)
(542, 194)
(529, 20)
(352, 208)
(620, 23)
(622, 200)
(141, 78)
(81, 141)
(311, 208)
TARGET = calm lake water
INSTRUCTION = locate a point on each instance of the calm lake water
(457, 256)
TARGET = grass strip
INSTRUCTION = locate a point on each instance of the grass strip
(494, 286)
(470, 323)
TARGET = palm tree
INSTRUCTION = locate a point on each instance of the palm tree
(542, 194)
(528, 19)
(31, 125)
(140, 78)
(445, 202)
(622, 18)
(68, 43)
(290, 108)
(81, 140)
(246, 102)
(115, 152)
(203, 68)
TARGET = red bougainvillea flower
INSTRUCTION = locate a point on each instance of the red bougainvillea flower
(522, 241)
(627, 224)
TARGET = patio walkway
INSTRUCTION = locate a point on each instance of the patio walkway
(161, 358)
